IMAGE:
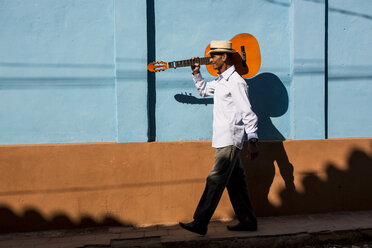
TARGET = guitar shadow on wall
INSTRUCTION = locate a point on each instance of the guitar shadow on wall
(188, 98)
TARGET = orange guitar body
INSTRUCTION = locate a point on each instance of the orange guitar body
(242, 43)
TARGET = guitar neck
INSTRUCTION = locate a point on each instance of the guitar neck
(189, 62)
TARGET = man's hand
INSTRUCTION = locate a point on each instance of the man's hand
(195, 67)
(253, 149)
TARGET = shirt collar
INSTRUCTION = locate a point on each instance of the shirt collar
(226, 74)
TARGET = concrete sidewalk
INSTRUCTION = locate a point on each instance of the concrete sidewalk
(344, 228)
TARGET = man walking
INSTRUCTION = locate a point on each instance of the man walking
(232, 116)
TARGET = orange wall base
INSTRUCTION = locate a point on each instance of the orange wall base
(81, 185)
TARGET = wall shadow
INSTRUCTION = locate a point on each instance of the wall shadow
(343, 190)
(269, 98)
(261, 172)
(32, 220)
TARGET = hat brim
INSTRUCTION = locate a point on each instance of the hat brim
(221, 50)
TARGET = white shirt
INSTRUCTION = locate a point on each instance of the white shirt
(232, 113)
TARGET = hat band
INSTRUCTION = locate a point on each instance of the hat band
(220, 48)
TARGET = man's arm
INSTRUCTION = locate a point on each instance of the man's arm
(205, 89)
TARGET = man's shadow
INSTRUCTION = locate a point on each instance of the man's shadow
(269, 98)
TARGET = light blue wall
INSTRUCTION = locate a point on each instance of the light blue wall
(131, 73)
(75, 70)
(57, 74)
(308, 68)
(350, 68)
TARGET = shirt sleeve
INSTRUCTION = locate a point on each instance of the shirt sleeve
(205, 89)
(239, 93)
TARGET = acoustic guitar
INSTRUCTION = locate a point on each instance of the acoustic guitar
(247, 60)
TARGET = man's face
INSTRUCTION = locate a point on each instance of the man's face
(217, 60)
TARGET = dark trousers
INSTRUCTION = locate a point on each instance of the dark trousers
(227, 172)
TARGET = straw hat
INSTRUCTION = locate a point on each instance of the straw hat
(221, 46)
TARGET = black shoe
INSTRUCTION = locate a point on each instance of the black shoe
(243, 227)
(195, 227)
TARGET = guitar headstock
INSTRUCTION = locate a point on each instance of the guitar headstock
(157, 66)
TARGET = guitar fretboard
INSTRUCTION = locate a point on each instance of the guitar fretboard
(188, 62)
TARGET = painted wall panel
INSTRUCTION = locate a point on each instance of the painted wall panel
(131, 74)
(184, 29)
(308, 61)
(350, 69)
(56, 71)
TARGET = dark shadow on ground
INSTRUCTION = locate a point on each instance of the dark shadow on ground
(32, 220)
